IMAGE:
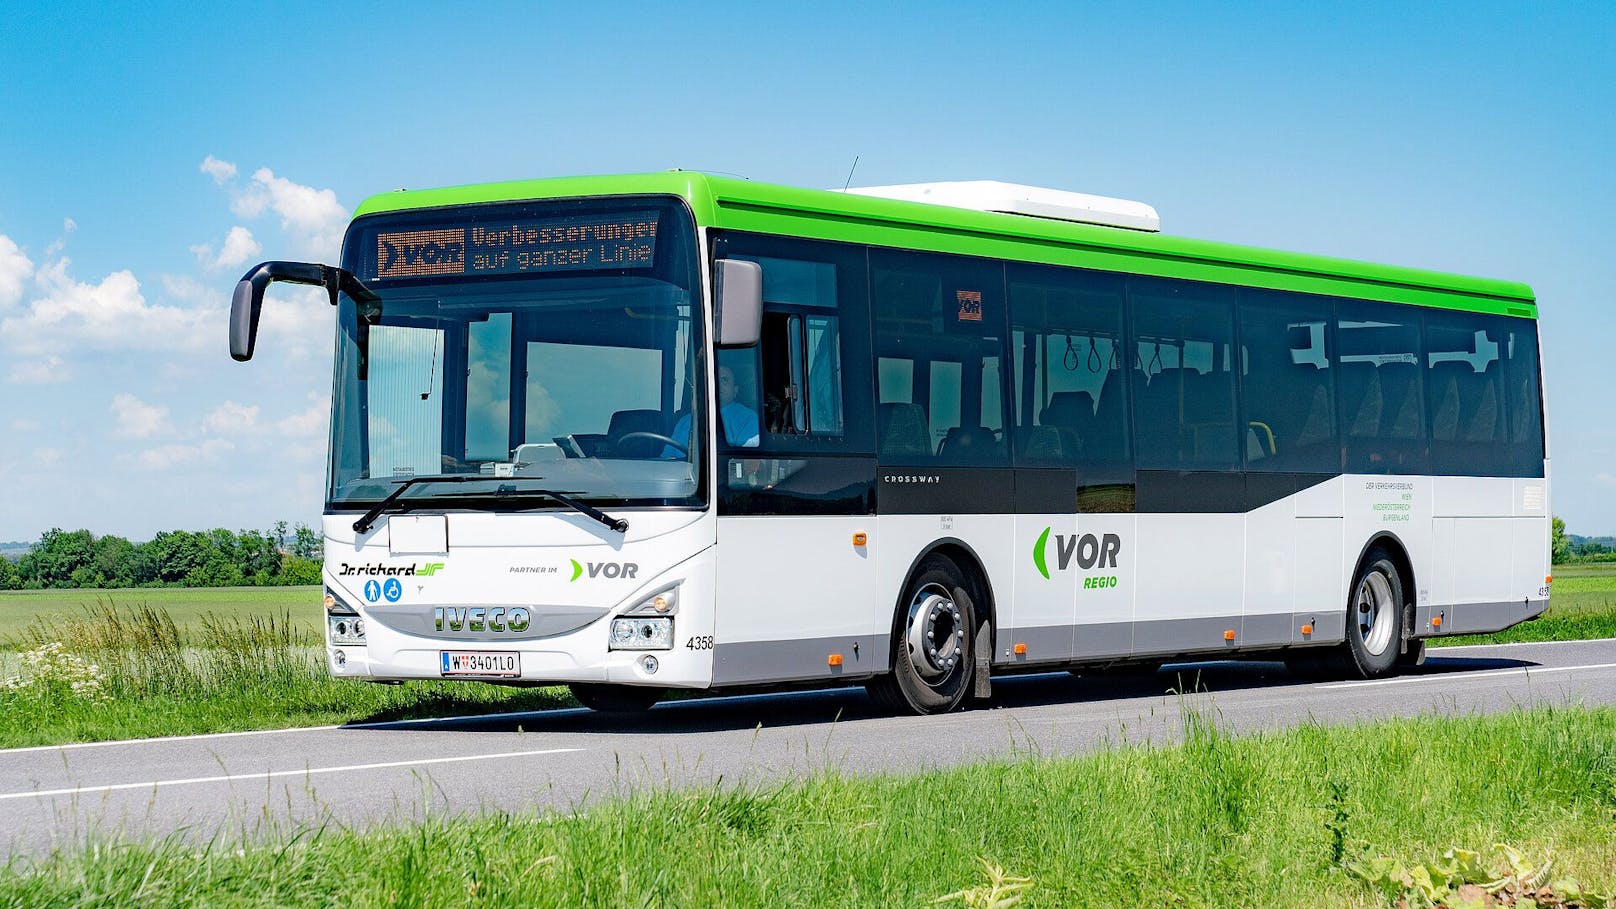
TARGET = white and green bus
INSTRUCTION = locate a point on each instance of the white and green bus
(675, 430)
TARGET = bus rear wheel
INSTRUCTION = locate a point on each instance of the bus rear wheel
(615, 698)
(933, 643)
(1375, 618)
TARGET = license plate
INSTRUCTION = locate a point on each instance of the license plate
(485, 663)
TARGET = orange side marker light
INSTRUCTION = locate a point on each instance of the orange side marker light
(1228, 635)
(1020, 648)
(834, 659)
(1549, 579)
(1436, 622)
(861, 539)
(1307, 629)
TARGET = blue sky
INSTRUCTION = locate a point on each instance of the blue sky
(150, 152)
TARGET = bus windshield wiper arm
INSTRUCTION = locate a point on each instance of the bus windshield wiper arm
(368, 519)
(617, 524)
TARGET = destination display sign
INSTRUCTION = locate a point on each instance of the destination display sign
(574, 243)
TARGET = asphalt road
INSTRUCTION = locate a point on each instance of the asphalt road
(253, 784)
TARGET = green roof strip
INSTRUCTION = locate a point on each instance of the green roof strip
(728, 202)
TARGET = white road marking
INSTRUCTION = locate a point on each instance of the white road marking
(157, 740)
(272, 774)
(1436, 648)
(1469, 676)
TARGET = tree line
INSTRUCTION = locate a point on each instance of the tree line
(1566, 549)
(179, 558)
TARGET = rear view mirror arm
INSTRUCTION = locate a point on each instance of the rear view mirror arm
(247, 303)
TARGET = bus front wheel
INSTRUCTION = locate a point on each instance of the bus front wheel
(933, 643)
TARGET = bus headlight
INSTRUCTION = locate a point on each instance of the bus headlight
(636, 633)
(346, 629)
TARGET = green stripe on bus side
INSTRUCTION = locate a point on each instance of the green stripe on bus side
(1157, 263)
(790, 211)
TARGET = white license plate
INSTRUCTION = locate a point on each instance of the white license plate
(483, 663)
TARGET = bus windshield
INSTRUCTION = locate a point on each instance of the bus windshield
(567, 364)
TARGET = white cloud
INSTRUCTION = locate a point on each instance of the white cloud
(232, 418)
(60, 243)
(15, 270)
(46, 457)
(238, 248)
(138, 420)
(46, 371)
(166, 456)
(25, 426)
(72, 315)
(312, 219)
(1604, 478)
(311, 422)
(222, 172)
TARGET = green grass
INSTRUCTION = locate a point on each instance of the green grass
(1582, 607)
(221, 673)
(1258, 821)
(186, 605)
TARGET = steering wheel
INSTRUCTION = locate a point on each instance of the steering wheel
(683, 450)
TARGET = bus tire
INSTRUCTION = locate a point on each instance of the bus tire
(615, 698)
(1374, 618)
(933, 643)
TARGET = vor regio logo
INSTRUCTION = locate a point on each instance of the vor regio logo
(1088, 550)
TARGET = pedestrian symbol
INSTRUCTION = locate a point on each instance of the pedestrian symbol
(373, 590)
(392, 590)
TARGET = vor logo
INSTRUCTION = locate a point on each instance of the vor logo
(1089, 550)
(421, 252)
(624, 570)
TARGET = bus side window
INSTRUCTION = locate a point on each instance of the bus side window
(1287, 384)
(943, 318)
(802, 380)
(1380, 389)
(1184, 405)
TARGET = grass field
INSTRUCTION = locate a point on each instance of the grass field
(187, 605)
(220, 673)
(1272, 820)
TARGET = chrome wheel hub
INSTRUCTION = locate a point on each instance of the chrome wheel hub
(1374, 608)
(935, 632)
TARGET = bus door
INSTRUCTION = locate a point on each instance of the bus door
(797, 544)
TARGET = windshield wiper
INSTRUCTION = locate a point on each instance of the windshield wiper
(617, 524)
(391, 502)
(368, 519)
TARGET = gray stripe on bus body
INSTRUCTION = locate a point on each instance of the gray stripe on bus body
(1174, 636)
(758, 662)
(1328, 627)
(1045, 644)
(1104, 639)
(1266, 630)
(1478, 618)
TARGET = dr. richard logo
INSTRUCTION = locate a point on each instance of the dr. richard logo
(377, 569)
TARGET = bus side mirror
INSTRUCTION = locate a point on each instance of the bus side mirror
(247, 303)
(738, 288)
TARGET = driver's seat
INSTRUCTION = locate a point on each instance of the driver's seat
(640, 447)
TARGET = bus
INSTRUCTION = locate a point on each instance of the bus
(669, 431)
